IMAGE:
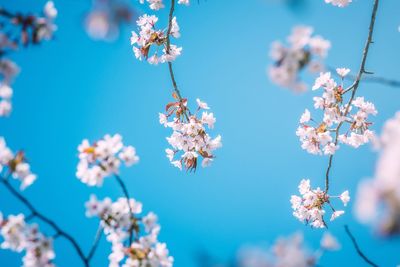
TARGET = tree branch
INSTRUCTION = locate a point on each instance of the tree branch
(126, 194)
(355, 85)
(171, 71)
(355, 244)
(371, 79)
(95, 244)
(37, 214)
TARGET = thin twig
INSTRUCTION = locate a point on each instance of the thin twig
(95, 244)
(355, 85)
(37, 214)
(171, 71)
(5, 13)
(371, 79)
(126, 194)
(356, 246)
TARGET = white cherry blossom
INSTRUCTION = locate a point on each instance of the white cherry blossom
(309, 207)
(19, 236)
(189, 139)
(150, 38)
(145, 249)
(15, 165)
(339, 3)
(103, 158)
(319, 137)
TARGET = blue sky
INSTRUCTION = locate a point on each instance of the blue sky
(74, 88)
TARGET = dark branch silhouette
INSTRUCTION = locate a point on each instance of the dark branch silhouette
(356, 246)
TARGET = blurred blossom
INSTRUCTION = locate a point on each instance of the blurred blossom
(339, 3)
(19, 236)
(304, 51)
(15, 165)
(106, 17)
(103, 158)
(286, 252)
(329, 242)
(19, 30)
(378, 199)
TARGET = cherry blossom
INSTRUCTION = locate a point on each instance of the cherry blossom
(20, 30)
(19, 236)
(8, 70)
(339, 3)
(304, 51)
(103, 158)
(329, 242)
(287, 251)
(189, 139)
(309, 207)
(106, 17)
(118, 222)
(15, 165)
(5, 99)
(149, 37)
(184, 2)
(378, 199)
(154, 4)
(316, 138)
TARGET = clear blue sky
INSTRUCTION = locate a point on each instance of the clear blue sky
(75, 88)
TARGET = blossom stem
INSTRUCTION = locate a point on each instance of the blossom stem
(37, 214)
(356, 246)
(126, 194)
(355, 85)
(171, 71)
(96, 243)
(371, 79)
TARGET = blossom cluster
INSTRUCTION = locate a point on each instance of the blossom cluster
(105, 18)
(285, 252)
(8, 70)
(33, 28)
(103, 158)
(339, 3)
(15, 165)
(149, 37)
(189, 139)
(158, 4)
(19, 236)
(318, 138)
(309, 207)
(118, 220)
(378, 199)
(21, 30)
(303, 51)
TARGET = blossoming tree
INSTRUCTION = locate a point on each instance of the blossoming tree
(342, 118)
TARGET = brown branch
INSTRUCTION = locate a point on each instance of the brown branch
(355, 85)
(51, 223)
(356, 246)
(171, 71)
